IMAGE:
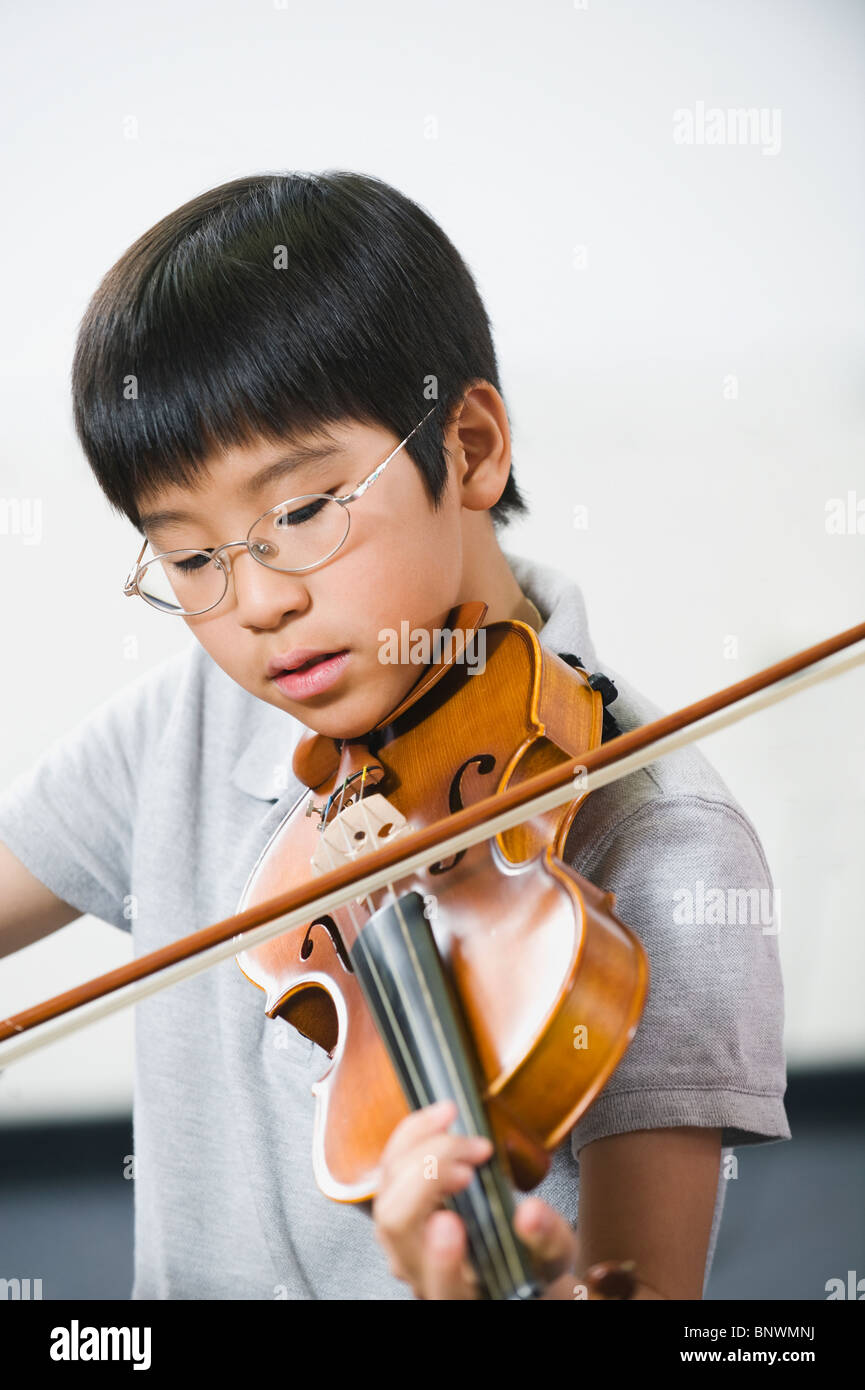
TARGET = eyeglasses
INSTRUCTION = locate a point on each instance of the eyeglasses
(305, 530)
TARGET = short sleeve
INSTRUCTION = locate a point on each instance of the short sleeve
(691, 879)
(70, 817)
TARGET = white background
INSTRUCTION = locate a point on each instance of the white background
(528, 132)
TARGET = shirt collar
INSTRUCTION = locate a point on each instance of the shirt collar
(264, 768)
(561, 605)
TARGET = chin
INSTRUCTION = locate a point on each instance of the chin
(351, 717)
(333, 725)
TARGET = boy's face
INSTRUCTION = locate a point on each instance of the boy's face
(402, 561)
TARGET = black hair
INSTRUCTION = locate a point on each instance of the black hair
(271, 306)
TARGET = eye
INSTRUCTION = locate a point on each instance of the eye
(301, 514)
(195, 562)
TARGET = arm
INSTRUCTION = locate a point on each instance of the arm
(28, 910)
(649, 1196)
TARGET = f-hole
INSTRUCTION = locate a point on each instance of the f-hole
(485, 764)
(307, 946)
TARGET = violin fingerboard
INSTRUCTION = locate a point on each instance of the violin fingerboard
(406, 986)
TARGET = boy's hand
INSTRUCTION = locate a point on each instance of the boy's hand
(427, 1247)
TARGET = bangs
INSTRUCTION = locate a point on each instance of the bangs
(266, 310)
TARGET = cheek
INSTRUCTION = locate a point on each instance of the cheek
(409, 564)
(414, 579)
(222, 641)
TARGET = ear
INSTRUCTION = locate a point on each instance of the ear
(478, 440)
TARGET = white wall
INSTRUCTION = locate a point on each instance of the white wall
(529, 132)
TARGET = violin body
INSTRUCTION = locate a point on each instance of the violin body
(550, 984)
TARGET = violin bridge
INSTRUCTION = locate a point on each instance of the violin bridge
(358, 829)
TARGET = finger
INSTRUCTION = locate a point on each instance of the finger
(446, 1272)
(549, 1237)
(422, 1179)
(419, 1125)
(431, 1154)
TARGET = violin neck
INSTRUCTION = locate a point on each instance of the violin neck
(404, 982)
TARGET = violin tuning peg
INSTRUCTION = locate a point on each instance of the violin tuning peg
(605, 687)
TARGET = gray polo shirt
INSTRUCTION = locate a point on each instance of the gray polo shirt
(150, 815)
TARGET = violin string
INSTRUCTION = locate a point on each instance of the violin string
(504, 1245)
(499, 1247)
(482, 1212)
(384, 1000)
(368, 959)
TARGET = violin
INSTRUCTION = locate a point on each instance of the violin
(497, 977)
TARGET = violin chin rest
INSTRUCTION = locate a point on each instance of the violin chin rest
(315, 760)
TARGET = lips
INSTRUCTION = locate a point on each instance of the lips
(297, 658)
(312, 677)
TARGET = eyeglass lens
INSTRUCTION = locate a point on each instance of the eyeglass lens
(294, 536)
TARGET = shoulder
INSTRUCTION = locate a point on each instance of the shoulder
(674, 813)
(138, 716)
(690, 878)
(138, 727)
(178, 691)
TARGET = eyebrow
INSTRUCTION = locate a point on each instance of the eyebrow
(280, 468)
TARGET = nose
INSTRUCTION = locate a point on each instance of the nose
(263, 595)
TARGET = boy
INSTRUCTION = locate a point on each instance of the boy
(300, 336)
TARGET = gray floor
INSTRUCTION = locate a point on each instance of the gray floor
(794, 1217)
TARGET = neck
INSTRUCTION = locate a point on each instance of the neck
(488, 576)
